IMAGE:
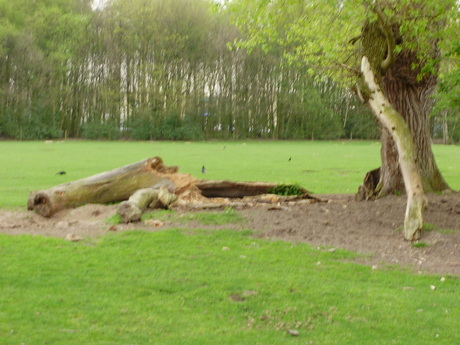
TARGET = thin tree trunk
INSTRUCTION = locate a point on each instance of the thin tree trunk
(395, 124)
(445, 128)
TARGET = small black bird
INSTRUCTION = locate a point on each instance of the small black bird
(61, 172)
(203, 169)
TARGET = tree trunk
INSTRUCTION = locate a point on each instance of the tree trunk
(445, 127)
(395, 124)
(410, 95)
(412, 99)
(115, 185)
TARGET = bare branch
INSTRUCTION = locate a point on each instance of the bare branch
(355, 39)
(357, 90)
(354, 71)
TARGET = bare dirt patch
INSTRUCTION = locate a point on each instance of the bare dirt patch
(372, 227)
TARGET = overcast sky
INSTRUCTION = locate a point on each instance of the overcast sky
(98, 3)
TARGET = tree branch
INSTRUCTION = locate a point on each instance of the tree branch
(353, 70)
(387, 31)
(355, 39)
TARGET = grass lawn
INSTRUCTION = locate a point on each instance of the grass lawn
(212, 287)
(321, 167)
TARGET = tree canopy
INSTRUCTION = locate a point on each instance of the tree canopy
(322, 33)
(151, 69)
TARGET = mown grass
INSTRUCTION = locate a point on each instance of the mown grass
(212, 287)
(322, 167)
(195, 286)
(227, 216)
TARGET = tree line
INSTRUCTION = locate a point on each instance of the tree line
(166, 69)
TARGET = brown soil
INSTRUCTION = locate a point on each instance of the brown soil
(372, 227)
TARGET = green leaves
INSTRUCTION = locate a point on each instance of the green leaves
(318, 32)
(313, 32)
(287, 189)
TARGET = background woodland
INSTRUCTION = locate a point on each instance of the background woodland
(168, 69)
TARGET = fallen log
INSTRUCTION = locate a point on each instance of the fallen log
(149, 183)
(111, 186)
(156, 197)
(233, 189)
(131, 209)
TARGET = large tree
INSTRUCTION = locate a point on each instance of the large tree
(388, 51)
(38, 40)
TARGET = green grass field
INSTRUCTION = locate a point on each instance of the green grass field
(321, 167)
(199, 287)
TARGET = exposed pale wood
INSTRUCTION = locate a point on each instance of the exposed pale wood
(159, 196)
(131, 209)
(215, 206)
(395, 124)
(115, 185)
(165, 197)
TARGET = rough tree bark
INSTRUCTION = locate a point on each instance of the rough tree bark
(394, 123)
(410, 95)
(233, 189)
(110, 186)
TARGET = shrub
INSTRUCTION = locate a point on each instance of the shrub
(36, 124)
(96, 130)
(287, 189)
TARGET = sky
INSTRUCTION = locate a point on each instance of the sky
(97, 4)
